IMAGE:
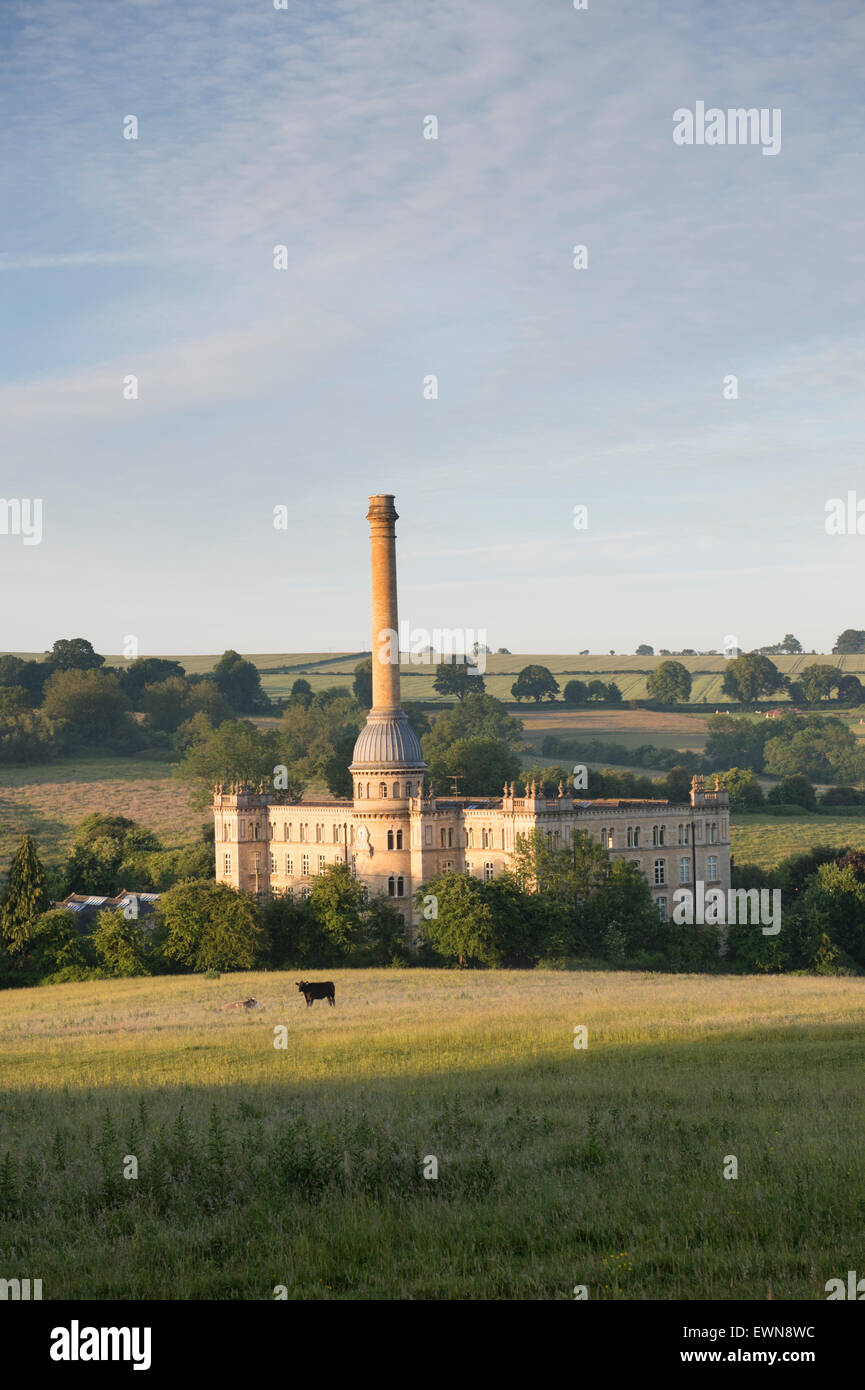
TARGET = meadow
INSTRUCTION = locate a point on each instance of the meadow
(304, 1166)
(764, 840)
(48, 801)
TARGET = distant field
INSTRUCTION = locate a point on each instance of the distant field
(48, 802)
(304, 1167)
(629, 672)
(764, 840)
(630, 728)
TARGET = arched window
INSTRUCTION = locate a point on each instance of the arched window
(631, 840)
(390, 839)
(471, 837)
(336, 834)
(655, 840)
(444, 838)
(396, 791)
(360, 791)
(408, 788)
(391, 886)
(400, 888)
(399, 839)
(450, 839)
(367, 791)
(382, 790)
(662, 835)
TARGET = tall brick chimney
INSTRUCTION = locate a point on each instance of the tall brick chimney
(387, 743)
(381, 516)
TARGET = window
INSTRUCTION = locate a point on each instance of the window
(289, 865)
(396, 791)
(400, 888)
(256, 860)
(255, 831)
(359, 792)
(448, 865)
(367, 791)
(658, 836)
(444, 836)
(286, 831)
(633, 837)
(408, 788)
(303, 833)
(489, 871)
(712, 868)
(684, 870)
(390, 839)
(660, 871)
(318, 834)
(450, 839)
(273, 863)
(399, 839)
(226, 863)
(391, 887)
(427, 835)
(322, 861)
(304, 865)
(382, 790)
(471, 837)
(713, 832)
(304, 892)
(226, 830)
(611, 838)
(336, 834)
(662, 908)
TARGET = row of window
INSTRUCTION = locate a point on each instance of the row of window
(382, 790)
(712, 874)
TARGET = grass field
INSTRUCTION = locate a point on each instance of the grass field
(322, 669)
(49, 800)
(756, 839)
(303, 1167)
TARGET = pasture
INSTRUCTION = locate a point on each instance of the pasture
(304, 1166)
(764, 840)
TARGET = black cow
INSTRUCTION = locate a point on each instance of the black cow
(311, 991)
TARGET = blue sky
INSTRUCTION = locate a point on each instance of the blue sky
(410, 257)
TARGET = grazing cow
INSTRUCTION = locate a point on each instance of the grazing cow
(311, 991)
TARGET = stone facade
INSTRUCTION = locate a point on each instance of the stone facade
(395, 834)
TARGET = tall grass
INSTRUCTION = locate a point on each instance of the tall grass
(303, 1166)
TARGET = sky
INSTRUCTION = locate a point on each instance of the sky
(408, 258)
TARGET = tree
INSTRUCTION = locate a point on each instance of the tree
(24, 899)
(737, 741)
(120, 945)
(669, 683)
(362, 684)
(483, 765)
(463, 927)
(147, 670)
(100, 855)
(743, 789)
(645, 650)
(850, 690)
(58, 951)
(596, 690)
(790, 644)
(477, 716)
(850, 642)
(458, 678)
(536, 683)
(613, 695)
(237, 751)
(239, 681)
(74, 654)
(301, 693)
(818, 681)
(209, 926)
(793, 791)
(91, 702)
(336, 904)
(576, 693)
(748, 677)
